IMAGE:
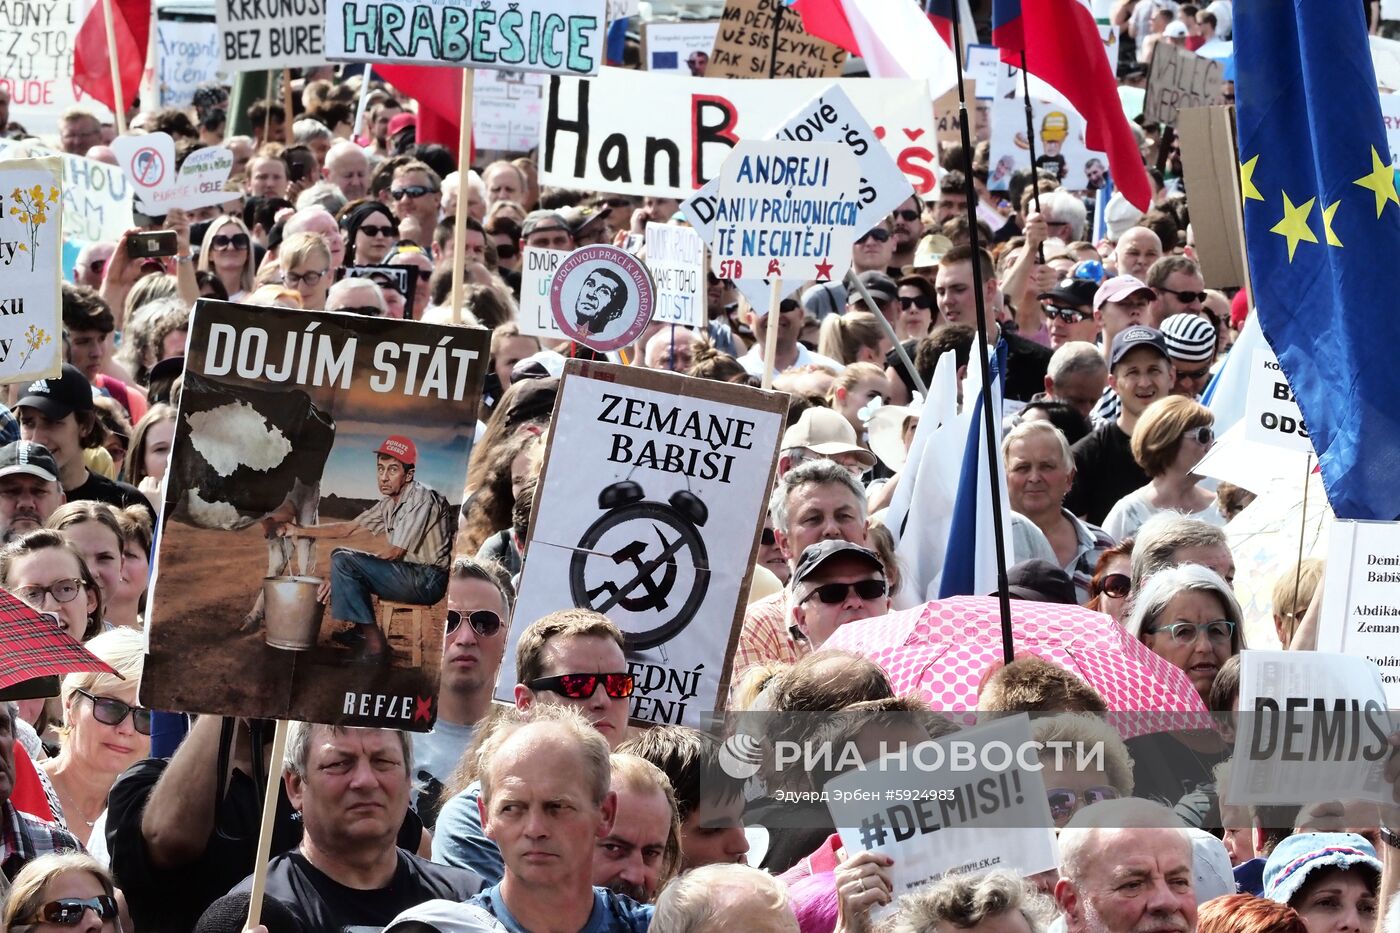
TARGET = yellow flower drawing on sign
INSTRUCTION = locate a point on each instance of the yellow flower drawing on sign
(33, 208)
(34, 338)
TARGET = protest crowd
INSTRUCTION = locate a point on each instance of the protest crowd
(1009, 468)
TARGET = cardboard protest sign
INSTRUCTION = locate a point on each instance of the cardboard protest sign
(676, 258)
(187, 55)
(1179, 79)
(257, 35)
(765, 39)
(648, 511)
(1210, 162)
(602, 296)
(1361, 598)
(680, 48)
(402, 279)
(553, 36)
(1312, 726)
(296, 433)
(1271, 414)
(536, 317)
(785, 210)
(149, 164)
(1059, 146)
(36, 37)
(31, 254)
(596, 137)
(950, 819)
(506, 110)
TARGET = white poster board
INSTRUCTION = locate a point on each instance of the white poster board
(31, 256)
(36, 67)
(506, 110)
(676, 257)
(1288, 751)
(97, 199)
(551, 36)
(648, 510)
(148, 161)
(1271, 414)
(1361, 597)
(264, 36)
(1059, 144)
(187, 55)
(536, 318)
(678, 48)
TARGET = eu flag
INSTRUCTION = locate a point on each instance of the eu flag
(1322, 233)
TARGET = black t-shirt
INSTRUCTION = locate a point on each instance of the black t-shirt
(1105, 472)
(99, 488)
(1026, 365)
(323, 905)
(171, 900)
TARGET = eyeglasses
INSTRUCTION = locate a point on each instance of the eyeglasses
(236, 241)
(374, 230)
(366, 310)
(297, 278)
(583, 686)
(112, 712)
(1203, 436)
(906, 214)
(768, 539)
(834, 594)
(1068, 315)
(1064, 802)
(1184, 297)
(922, 302)
(69, 911)
(97, 266)
(63, 591)
(1220, 631)
(412, 191)
(483, 621)
(879, 233)
(1193, 374)
(1116, 585)
(506, 250)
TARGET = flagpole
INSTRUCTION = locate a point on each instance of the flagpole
(118, 98)
(991, 415)
(1030, 143)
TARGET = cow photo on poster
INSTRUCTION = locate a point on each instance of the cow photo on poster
(310, 509)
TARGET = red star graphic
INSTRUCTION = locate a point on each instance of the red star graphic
(824, 270)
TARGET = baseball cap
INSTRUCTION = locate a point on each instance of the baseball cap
(402, 122)
(537, 219)
(1074, 292)
(60, 396)
(445, 917)
(825, 432)
(1210, 863)
(1176, 29)
(1042, 582)
(1131, 338)
(400, 448)
(30, 458)
(817, 554)
(1301, 854)
(581, 219)
(539, 365)
(880, 286)
(1120, 216)
(1189, 337)
(930, 249)
(1120, 287)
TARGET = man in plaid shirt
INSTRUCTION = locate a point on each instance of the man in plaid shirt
(419, 523)
(23, 838)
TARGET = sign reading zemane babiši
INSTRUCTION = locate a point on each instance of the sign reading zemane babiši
(554, 36)
(648, 511)
(310, 508)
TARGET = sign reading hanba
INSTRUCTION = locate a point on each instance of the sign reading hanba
(563, 37)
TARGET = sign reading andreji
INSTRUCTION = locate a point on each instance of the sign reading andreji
(310, 509)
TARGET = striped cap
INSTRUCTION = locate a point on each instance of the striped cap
(1190, 337)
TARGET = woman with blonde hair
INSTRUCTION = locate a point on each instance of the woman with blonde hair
(305, 263)
(853, 337)
(853, 391)
(60, 892)
(149, 453)
(1170, 438)
(104, 731)
(227, 251)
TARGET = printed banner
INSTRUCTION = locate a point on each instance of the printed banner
(31, 255)
(187, 55)
(536, 317)
(650, 515)
(678, 48)
(257, 35)
(1361, 598)
(36, 67)
(1271, 414)
(1179, 79)
(1059, 144)
(596, 137)
(676, 258)
(765, 39)
(310, 509)
(564, 37)
(506, 110)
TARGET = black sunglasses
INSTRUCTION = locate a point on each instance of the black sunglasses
(506, 250)
(583, 686)
(1068, 315)
(483, 621)
(224, 241)
(1116, 585)
(922, 302)
(1193, 374)
(835, 593)
(879, 233)
(1185, 297)
(1204, 435)
(69, 911)
(412, 191)
(768, 538)
(112, 712)
(906, 214)
(366, 310)
(376, 230)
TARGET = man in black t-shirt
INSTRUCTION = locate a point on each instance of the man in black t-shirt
(59, 414)
(351, 787)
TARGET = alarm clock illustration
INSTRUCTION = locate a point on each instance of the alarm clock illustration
(645, 558)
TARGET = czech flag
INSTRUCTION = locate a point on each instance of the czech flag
(1061, 43)
(893, 37)
(92, 71)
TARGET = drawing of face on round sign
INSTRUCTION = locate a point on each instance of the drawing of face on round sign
(602, 296)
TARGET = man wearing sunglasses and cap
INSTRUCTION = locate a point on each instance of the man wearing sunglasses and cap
(836, 582)
(417, 521)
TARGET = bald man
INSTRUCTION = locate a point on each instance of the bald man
(671, 348)
(347, 167)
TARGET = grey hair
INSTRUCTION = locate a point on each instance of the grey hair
(1077, 356)
(304, 131)
(817, 473)
(696, 902)
(299, 745)
(1079, 839)
(1087, 731)
(1165, 585)
(1061, 207)
(351, 284)
(964, 901)
(1028, 429)
(323, 194)
(596, 753)
(1162, 535)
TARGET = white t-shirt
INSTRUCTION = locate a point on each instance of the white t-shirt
(1130, 512)
(753, 360)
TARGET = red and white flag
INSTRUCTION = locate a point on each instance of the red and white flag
(131, 31)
